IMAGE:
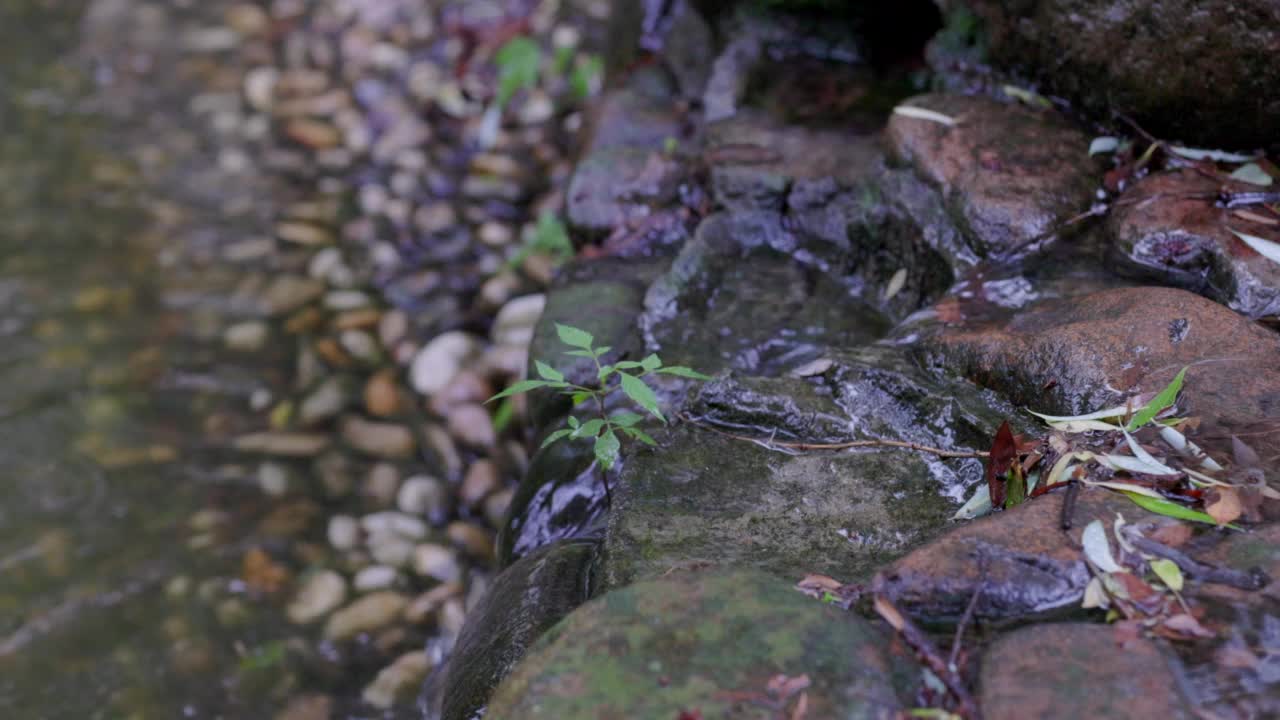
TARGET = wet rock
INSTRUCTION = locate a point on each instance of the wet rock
(495, 507)
(343, 532)
(382, 483)
(1197, 71)
(523, 601)
(514, 323)
(1023, 560)
(249, 336)
(437, 562)
(1096, 672)
(273, 479)
(1168, 229)
(392, 523)
(618, 186)
(436, 364)
(307, 707)
(367, 614)
(375, 577)
(320, 593)
(561, 496)
(1081, 354)
(334, 470)
(660, 644)
(1010, 174)
(284, 444)
(326, 401)
(399, 681)
(468, 387)
(380, 439)
(425, 606)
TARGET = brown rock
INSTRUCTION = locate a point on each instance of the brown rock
(1010, 173)
(385, 440)
(1078, 670)
(474, 540)
(481, 479)
(1021, 558)
(1093, 351)
(467, 386)
(382, 394)
(1168, 228)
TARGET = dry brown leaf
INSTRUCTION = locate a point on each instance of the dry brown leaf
(802, 707)
(1224, 504)
(261, 573)
(1187, 626)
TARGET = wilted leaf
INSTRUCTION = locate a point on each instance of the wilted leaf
(1225, 504)
(1164, 399)
(1098, 549)
(1253, 174)
(1134, 465)
(1180, 443)
(923, 114)
(1214, 155)
(1125, 487)
(642, 394)
(1003, 451)
(1266, 248)
(573, 337)
(1139, 452)
(1102, 145)
(1094, 595)
(1168, 572)
(1186, 625)
(1081, 426)
(979, 504)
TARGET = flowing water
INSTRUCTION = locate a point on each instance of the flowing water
(109, 373)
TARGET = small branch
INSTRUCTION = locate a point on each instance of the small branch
(1200, 571)
(958, 641)
(940, 452)
(920, 642)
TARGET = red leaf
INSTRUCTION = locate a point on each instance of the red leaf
(1003, 451)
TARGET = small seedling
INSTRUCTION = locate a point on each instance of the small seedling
(625, 375)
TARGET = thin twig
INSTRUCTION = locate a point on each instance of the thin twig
(924, 647)
(1067, 518)
(1200, 571)
(958, 641)
(940, 452)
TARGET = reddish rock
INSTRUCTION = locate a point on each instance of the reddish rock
(1024, 561)
(1078, 670)
(1089, 352)
(1010, 173)
(1168, 228)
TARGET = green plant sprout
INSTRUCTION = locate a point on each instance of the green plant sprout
(549, 237)
(625, 375)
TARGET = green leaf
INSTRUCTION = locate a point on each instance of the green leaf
(521, 387)
(580, 397)
(682, 371)
(546, 372)
(642, 394)
(590, 428)
(1173, 510)
(606, 449)
(518, 62)
(640, 435)
(1253, 174)
(1168, 572)
(556, 436)
(627, 365)
(1027, 96)
(625, 419)
(573, 422)
(604, 372)
(503, 415)
(977, 505)
(580, 353)
(1165, 398)
(573, 337)
(602, 350)
(651, 362)
(1103, 145)
(586, 76)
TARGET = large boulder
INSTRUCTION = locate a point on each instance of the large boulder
(708, 644)
(1202, 71)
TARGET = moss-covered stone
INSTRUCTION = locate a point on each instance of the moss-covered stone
(706, 642)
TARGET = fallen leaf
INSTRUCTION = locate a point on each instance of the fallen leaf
(1168, 572)
(1253, 174)
(1187, 626)
(895, 285)
(1266, 248)
(1003, 451)
(1215, 155)
(1097, 549)
(923, 114)
(1224, 504)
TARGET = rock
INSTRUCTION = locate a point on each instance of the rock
(523, 602)
(283, 443)
(468, 387)
(1011, 174)
(248, 336)
(472, 539)
(1025, 564)
(481, 479)
(382, 394)
(287, 293)
(392, 550)
(1199, 71)
(1096, 671)
(1080, 354)
(307, 707)
(437, 562)
(304, 233)
(399, 681)
(436, 364)
(392, 328)
(380, 439)
(618, 186)
(320, 593)
(394, 523)
(515, 321)
(334, 470)
(375, 577)
(495, 507)
(367, 614)
(425, 496)
(654, 648)
(472, 426)
(1168, 229)
(343, 532)
(273, 479)
(426, 605)
(382, 483)
(326, 401)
